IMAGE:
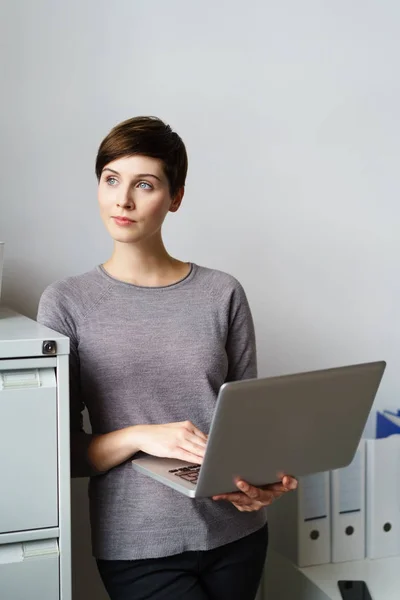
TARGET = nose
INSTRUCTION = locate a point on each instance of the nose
(125, 200)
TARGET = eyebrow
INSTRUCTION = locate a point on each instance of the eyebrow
(139, 175)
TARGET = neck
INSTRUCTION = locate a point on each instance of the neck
(145, 264)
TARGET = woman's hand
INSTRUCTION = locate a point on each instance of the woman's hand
(251, 498)
(173, 440)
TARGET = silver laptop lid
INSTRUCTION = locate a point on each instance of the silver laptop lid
(295, 424)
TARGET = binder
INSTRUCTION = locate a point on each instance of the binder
(383, 497)
(348, 509)
(299, 523)
(387, 423)
(393, 417)
(390, 412)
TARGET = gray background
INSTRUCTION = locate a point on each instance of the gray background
(290, 112)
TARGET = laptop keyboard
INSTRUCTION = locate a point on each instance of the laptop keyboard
(188, 473)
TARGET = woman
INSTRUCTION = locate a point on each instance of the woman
(152, 340)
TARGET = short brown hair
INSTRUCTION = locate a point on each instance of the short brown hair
(148, 136)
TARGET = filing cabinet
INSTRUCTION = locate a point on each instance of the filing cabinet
(35, 555)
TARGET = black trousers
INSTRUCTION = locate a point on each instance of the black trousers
(230, 572)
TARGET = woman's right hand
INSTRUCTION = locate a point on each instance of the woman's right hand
(172, 440)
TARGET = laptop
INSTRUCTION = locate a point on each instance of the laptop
(265, 428)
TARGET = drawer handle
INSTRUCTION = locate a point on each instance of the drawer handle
(11, 380)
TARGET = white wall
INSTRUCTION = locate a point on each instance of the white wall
(290, 112)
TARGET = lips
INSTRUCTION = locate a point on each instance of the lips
(123, 221)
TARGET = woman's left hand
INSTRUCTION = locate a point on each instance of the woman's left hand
(252, 498)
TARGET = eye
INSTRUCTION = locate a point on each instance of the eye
(143, 185)
(111, 181)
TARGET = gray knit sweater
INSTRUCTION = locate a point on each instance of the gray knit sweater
(151, 355)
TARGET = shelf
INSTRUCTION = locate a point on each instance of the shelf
(381, 576)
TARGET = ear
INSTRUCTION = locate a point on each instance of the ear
(177, 200)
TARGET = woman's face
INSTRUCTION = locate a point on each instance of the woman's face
(134, 198)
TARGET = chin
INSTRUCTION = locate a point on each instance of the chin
(126, 239)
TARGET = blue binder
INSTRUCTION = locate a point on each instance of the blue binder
(387, 423)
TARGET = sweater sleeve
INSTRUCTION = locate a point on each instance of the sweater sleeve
(54, 312)
(241, 341)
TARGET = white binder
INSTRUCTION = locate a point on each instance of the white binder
(383, 497)
(348, 509)
(314, 520)
(300, 522)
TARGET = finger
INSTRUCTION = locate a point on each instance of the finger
(200, 435)
(190, 443)
(193, 429)
(268, 497)
(234, 497)
(253, 506)
(289, 482)
(196, 440)
(275, 488)
(264, 497)
(249, 490)
(238, 506)
(238, 499)
(188, 456)
(227, 497)
(192, 448)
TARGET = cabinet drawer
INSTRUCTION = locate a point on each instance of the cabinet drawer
(28, 449)
(30, 571)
